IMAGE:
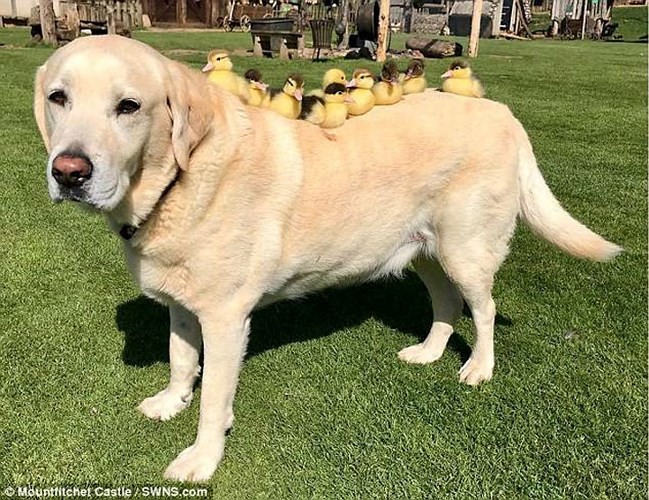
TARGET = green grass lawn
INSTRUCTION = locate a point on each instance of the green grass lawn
(632, 22)
(324, 408)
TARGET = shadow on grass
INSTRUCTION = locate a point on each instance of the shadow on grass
(402, 305)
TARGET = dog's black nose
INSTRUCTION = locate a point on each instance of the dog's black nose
(71, 170)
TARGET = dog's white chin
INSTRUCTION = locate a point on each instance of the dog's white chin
(102, 202)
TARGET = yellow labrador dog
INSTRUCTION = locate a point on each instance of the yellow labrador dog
(224, 208)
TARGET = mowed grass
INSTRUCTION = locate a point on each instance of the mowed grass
(632, 22)
(324, 407)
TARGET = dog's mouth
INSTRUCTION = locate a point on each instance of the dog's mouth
(74, 195)
(104, 201)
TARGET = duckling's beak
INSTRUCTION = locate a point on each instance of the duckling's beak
(298, 95)
(351, 84)
(448, 74)
(208, 67)
(260, 86)
(349, 100)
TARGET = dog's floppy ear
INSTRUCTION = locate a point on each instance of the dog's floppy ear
(191, 112)
(39, 106)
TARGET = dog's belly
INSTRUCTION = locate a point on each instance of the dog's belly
(349, 264)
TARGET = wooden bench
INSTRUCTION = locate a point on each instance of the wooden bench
(284, 43)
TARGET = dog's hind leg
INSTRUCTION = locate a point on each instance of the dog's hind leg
(479, 367)
(472, 266)
(184, 349)
(447, 307)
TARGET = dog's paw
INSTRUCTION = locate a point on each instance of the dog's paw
(164, 405)
(420, 354)
(194, 464)
(475, 371)
(229, 421)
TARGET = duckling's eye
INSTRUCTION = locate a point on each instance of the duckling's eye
(290, 83)
(127, 107)
(58, 97)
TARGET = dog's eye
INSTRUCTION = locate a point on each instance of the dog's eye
(58, 97)
(127, 107)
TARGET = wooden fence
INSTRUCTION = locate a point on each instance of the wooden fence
(125, 13)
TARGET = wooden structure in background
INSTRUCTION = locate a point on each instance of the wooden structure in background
(97, 16)
(579, 17)
(200, 13)
(126, 13)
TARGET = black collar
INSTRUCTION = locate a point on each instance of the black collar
(127, 231)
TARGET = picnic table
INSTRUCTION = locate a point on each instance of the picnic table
(277, 35)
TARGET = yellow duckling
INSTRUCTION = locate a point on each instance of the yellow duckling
(333, 75)
(219, 69)
(361, 92)
(288, 101)
(388, 90)
(336, 101)
(459, 80)
(414, 80)
(329, 111)
(257, 89)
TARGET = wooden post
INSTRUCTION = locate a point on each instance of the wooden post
(71, 27)
(181, 12)
(384, 25)
(138, 14)
(344, 18)
(48, 26)
(128, 16)
(407, 16)
(497, 20)
(583, 18)
(476, 17)
(215, 12)
(110, 19)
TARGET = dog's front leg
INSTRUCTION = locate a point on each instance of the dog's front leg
(184, 349)
(225, 335)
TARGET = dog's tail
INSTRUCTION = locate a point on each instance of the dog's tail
(547, 218)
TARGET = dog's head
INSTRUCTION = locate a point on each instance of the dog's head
(106, 105)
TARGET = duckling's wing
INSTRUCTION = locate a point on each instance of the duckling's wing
(478, 90)
(242, 89)
(308, 103)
